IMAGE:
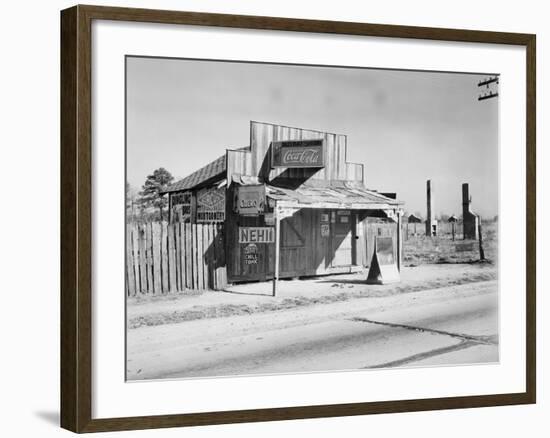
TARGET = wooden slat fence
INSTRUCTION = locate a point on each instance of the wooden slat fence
(443, 229)
(162, 258)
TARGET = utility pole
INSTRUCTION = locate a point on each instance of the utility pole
(491, 88)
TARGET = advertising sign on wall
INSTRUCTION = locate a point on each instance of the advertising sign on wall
(298, 153)
(250, 200)
(251, 255)
(269, 218)
(256, 234)
(211, 200)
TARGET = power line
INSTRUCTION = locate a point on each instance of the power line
(491, 88)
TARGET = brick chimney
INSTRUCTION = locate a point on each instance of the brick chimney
(469, 218)
(431, 222)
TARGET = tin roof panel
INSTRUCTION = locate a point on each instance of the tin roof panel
(338, 197)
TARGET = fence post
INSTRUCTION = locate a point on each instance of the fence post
(157, 285)
(164, 261)
(200, 256)
(188, 256)
(171, 259)
(142, 264)
(182, 256)
(481, 252)
(177, 255)
(399, 241)
(453, 230)
(149, 253)
(130, 263)
(194, 263)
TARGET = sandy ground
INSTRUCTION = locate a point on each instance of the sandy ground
(252, 298)
(453, 322)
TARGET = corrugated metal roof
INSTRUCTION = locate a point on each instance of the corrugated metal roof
(351, 197)
(211, 170)
(205, 173)
(339, 193)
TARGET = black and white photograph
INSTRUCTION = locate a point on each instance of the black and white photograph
(274, 219)
(288, 218)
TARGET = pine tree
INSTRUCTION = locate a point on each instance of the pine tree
(130, 203)
(150, 196)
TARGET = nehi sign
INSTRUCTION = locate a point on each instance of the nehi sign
(256, 235)
(298, 153)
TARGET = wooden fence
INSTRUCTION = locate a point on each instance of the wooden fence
(163, 258)
(419, 229)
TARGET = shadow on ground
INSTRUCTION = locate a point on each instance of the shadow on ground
(51, 417)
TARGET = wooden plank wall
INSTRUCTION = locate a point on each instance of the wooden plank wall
(311, 258)
(162, 258)
(303, 250)
(315, 256)
(256, 161)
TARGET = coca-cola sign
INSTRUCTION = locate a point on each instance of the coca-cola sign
(298, 153)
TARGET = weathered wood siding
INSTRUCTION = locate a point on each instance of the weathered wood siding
(303, 250)
(256, 162)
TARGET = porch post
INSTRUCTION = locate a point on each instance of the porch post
(277, 250)
(399, 240)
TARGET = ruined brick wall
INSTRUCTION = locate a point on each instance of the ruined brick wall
(469, 218)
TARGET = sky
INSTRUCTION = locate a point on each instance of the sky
(405, 126)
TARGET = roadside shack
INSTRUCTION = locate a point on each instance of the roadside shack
(290, 204)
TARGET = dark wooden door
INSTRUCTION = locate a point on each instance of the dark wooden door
(294, 233)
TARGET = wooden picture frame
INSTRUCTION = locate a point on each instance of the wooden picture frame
(76, 218)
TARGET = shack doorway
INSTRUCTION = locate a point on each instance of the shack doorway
(294, 236)
(341, 242)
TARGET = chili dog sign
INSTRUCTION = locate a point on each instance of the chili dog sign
(298, 153)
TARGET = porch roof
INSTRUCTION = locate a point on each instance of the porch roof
(346, 196)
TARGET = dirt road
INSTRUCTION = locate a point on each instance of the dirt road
(451, 325)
